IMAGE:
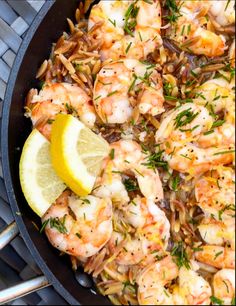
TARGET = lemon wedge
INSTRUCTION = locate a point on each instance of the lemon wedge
(77, 153)
(39, 182)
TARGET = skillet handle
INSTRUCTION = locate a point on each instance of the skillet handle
(8, 234)
(23, 288)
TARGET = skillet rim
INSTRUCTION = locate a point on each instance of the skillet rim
(5, 156)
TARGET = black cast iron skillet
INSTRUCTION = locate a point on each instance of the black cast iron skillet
(46, 28)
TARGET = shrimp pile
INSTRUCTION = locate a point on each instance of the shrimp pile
(155, 79)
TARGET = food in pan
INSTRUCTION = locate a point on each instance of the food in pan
(134, 125)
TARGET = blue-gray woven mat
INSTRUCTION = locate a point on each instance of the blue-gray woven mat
(16, 262)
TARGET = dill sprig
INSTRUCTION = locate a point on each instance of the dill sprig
(216, 301)
(175, 183)
(58, 224)
(185, 117)
(174, 11)
(130, 18)
(180, 255)
(155, 160)
(130, 185)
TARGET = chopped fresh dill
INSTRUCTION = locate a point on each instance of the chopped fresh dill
(128, 47)
(112, 93)
(45, 223)
(174, 11)
(130, 185)
(183, 29)
(224, 152)
(140, 36)
(155, 160)
(227, 4)
(175, 182)
(50, 121)
(185, 156)
(217, 123)
(185, 117)
(112, 22)
(218, 254)
(189, 130)
(130, 18)
(98, 97)
(58, 224)
(216, 301)
(112, 153)
(180, 255)
(132, 84)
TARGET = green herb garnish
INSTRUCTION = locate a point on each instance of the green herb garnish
(130, 185)
(112, 153)
(112, 93)
(175, 183)
(50, 121)
(128, 47)
(227, 4)
(217, 123)
(227, 207)
(180, 256)
(155, 160)
(216, 301)
(112, 22)
(224, 152)
(70, 109)
(98, 97)
(185, 156)
(148, 1)
(208, 132)
(85, 201)
(185, 117)
(198, 249)
(58, 224)
(189, 130)
(78, 235)
(218, 254)
(130, 18)
(174, 11)
(45, 223)
(132, 84)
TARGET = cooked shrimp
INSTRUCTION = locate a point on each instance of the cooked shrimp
(185, 122)
(152, 232)
(193, 160)
(216, 256)
(190, 33)
(222, 12)
(129, 29)
(179, 135)
(57, 98)
(219, 96)
(217, 232)
(110, 185)
(192, 289)
(79, 226)
(117, 80)
(152, 281)
(128, 159)
(224, 286)
(215, 193)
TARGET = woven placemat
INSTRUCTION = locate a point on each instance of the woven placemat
(16, 262)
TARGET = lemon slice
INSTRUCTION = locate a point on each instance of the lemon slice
(77, 153)
(40, 184)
